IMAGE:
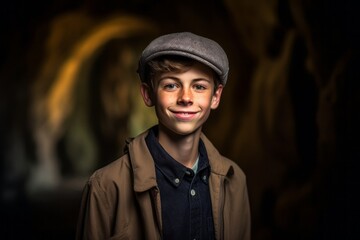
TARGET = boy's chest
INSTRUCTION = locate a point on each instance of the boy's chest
(186, 206)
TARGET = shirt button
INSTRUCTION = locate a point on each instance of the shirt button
(177, 181)
(192, 192)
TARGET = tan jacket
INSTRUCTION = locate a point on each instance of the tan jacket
(122, 201)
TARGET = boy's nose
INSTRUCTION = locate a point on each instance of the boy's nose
(185, 97)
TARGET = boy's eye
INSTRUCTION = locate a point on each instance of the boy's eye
(170, 86)
(199, 87)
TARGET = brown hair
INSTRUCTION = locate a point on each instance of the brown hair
(171, 63)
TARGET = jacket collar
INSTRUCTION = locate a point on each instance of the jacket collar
(142, 163)
(217, 162)
(144, 168)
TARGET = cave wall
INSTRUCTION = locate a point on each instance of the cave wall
(288, 117)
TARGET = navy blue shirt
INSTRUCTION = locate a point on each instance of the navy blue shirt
(185, 196)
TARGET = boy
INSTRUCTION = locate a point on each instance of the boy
(171, 183)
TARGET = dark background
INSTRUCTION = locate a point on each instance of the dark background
(289, 114)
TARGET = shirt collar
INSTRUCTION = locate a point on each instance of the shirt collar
(173, 170)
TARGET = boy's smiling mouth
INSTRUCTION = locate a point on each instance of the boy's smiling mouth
(184, 115)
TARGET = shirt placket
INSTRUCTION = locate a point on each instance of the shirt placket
(195, 210)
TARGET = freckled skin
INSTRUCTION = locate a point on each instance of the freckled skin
(183, 102)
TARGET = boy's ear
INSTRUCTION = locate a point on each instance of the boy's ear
(146, 94)
(215, 100)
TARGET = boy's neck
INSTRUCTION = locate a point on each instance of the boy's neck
(183, 148)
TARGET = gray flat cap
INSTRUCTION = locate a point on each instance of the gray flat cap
(189, 45)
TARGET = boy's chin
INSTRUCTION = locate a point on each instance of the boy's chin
(181, 130)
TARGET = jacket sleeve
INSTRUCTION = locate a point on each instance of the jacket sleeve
(246, 216)
(237, 218)
(94, 215)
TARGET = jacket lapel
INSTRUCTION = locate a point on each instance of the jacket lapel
(142, 164)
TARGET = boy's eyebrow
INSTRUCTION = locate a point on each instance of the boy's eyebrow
(168, 77)
(201, 79)
(179, 80)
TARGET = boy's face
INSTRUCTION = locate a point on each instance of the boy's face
(183, 100)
